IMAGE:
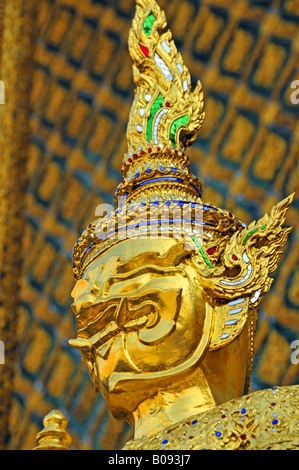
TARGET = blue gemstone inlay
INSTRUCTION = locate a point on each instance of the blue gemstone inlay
(196, 189)
(194, 422)
(165, 442)
(217, 433)
(275, 421)
(243, 411)
(87, 249)
(154, 222)
(179, 180)
(148, 171)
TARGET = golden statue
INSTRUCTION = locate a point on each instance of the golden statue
(168, 287)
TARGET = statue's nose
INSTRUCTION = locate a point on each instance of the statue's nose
(80, 288)
(83, 294)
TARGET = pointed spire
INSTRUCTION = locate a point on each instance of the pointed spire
(165, 117)
(166, 113)
(54, 435)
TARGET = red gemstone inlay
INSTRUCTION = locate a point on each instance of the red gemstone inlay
(149, 149)
(123, 181)
(144, 50)
(234, 257)
(142, 152)
(211, 251)
(243, 437)
(130, 160)
(167, 104)
(135, 155)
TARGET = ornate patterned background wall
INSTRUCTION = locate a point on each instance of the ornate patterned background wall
(246, 53)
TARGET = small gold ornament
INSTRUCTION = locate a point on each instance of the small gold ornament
(54, 435)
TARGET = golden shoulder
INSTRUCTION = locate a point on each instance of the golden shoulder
(264, 420)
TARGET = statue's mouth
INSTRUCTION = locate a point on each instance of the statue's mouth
(125, 314)
(145, 316)
(150, 312)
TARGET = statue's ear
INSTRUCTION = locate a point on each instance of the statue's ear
(248, 259)
(228, 322)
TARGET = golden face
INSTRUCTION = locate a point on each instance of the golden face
(134, 312)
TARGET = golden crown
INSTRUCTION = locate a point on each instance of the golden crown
(158, 195)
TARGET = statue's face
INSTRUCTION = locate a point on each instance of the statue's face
(142, 315)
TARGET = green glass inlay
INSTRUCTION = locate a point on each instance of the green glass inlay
(183, 121)
(148, 24)
(202, 253)
(155, 107)
(252, 232)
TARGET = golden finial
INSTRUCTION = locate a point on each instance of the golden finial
(54, 435)
(165, 112)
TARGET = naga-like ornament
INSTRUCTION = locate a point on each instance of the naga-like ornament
(165, 111)
(168, 286)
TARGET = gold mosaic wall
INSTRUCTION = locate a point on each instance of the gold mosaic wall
(246, 54)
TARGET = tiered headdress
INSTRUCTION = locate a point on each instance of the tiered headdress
(158, 195)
